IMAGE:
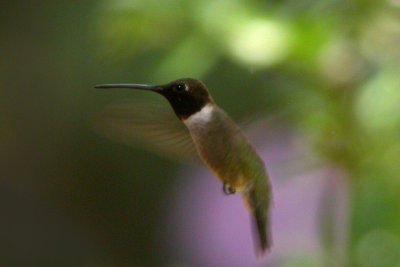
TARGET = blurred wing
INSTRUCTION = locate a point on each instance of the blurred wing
(150, 126)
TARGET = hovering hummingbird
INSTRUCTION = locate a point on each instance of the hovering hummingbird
(222, 146)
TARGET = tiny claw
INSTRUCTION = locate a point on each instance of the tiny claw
(228, 190)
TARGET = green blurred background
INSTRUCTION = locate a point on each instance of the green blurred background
(70, 197)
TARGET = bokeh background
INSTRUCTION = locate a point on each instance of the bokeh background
(319, 80)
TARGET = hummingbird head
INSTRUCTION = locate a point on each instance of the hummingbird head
(186, 96)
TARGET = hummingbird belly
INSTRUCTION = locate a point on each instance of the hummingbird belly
(225, 150)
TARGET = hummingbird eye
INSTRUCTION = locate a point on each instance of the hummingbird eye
(180, 87)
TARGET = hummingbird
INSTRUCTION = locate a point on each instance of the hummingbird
(223, 148)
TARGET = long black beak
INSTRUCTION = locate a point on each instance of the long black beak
(153, 88)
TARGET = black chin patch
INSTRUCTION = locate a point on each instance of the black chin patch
(186, 105)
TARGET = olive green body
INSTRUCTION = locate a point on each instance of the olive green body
(227, 152)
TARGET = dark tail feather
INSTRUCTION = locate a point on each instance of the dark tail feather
(258, 199)
(261, 232)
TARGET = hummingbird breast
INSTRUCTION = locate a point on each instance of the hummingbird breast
(223, 147)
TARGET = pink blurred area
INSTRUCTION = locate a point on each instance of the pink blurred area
(207, 228)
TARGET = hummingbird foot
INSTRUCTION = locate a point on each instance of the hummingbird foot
(228, 189)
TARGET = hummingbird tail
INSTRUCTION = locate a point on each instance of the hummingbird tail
(258, 199)
(263, 232)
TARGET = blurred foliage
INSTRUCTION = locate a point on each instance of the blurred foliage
(328, 68)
